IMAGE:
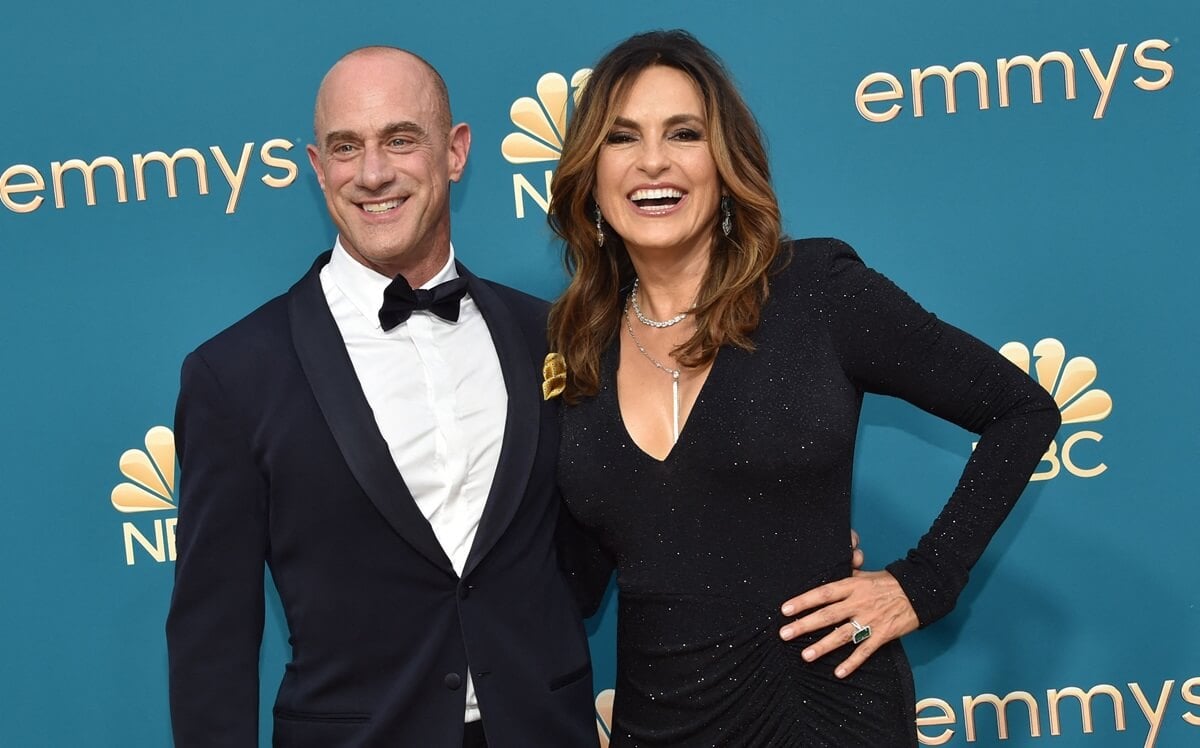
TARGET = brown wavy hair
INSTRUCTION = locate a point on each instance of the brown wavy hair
(587, 317)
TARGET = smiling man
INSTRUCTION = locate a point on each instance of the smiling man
(376, 438)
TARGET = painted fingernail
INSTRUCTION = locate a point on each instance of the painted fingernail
(787, 609)
(785, 633)
(840, 672)
(808, 655)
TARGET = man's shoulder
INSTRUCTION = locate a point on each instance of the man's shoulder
(527, 311)
(255, 337)
(519, 300)
(263, 329)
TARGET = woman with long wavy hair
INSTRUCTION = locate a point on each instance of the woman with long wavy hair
(715, 375)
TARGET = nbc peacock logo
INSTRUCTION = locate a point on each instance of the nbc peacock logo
(1069, 381)
(150, 488)
(604, 712)
(543, 125)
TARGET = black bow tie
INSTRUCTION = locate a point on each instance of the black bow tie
(400, 301)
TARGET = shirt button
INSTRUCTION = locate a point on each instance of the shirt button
(452, 681)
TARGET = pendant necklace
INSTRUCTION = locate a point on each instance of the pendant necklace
(673, 372)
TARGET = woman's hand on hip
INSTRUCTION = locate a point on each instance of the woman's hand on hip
(869, 605)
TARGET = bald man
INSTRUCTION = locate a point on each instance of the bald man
(376, 437)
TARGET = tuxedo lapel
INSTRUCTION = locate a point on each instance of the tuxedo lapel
(330, 374)
(521, 423)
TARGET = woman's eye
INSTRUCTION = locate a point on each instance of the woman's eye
(687, 134)
(618, 138)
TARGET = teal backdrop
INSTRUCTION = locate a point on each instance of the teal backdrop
(1064, 229)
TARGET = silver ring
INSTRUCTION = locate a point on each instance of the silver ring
(861, 632)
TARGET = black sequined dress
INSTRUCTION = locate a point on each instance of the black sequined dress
(752, 506)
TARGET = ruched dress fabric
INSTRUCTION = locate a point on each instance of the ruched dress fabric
(752, 506)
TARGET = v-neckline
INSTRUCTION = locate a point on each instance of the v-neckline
(614, 363)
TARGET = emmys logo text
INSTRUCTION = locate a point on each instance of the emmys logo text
(877, 89)
(22, 185)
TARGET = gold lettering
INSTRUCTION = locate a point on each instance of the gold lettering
(168, 162)
(862, 97)
(1148, 63)
(1104, 82)
(1051, 457)
(948, 76)
(170, 524)
(273, 161)
(89, 180)
(1074, 469)
(1085, 705)
(945, 718)
(157, 549)
(521, 184)
(1001, 706)
(7, 190)
(1190, 696)
(1035, 73)
(235, 179)
(1153, 716)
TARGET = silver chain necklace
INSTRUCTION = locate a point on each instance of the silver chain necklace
(658, 364)
(637, 309)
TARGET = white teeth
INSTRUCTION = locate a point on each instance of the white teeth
(380, 207)
(656, 194)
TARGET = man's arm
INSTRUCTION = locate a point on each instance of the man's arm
(584, 563)
(214, 629)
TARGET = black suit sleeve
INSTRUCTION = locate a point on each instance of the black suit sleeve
(214, 629)
(584, 563)
(888, 344)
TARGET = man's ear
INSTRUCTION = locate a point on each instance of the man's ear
(460, 146)
(314, 158)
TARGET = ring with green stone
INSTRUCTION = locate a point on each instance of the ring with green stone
(861, 632)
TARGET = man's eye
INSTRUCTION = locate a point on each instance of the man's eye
(399, 142)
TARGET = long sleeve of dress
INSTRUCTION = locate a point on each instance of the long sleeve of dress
(889, 345)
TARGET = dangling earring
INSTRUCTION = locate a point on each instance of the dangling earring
(727, 215)
(599, 227)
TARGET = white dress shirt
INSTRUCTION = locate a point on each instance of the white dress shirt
(438, 396)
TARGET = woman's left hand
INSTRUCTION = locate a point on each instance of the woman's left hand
(871, 598)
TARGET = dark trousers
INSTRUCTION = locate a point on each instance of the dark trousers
(473, 735)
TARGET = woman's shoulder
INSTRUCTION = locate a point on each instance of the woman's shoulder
(807, 262)
(818, 250)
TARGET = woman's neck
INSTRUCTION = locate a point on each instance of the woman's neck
(668, 286)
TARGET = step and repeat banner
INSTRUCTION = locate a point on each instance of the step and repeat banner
(1029, 171)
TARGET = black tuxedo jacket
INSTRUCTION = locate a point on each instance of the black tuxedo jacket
(282, 464)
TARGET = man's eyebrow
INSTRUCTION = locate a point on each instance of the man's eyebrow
(404, 127)
(392, 128)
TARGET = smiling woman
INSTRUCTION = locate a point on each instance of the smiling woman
(656, 181)
(716, 377)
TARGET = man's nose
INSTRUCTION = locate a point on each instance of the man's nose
(375, 169)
